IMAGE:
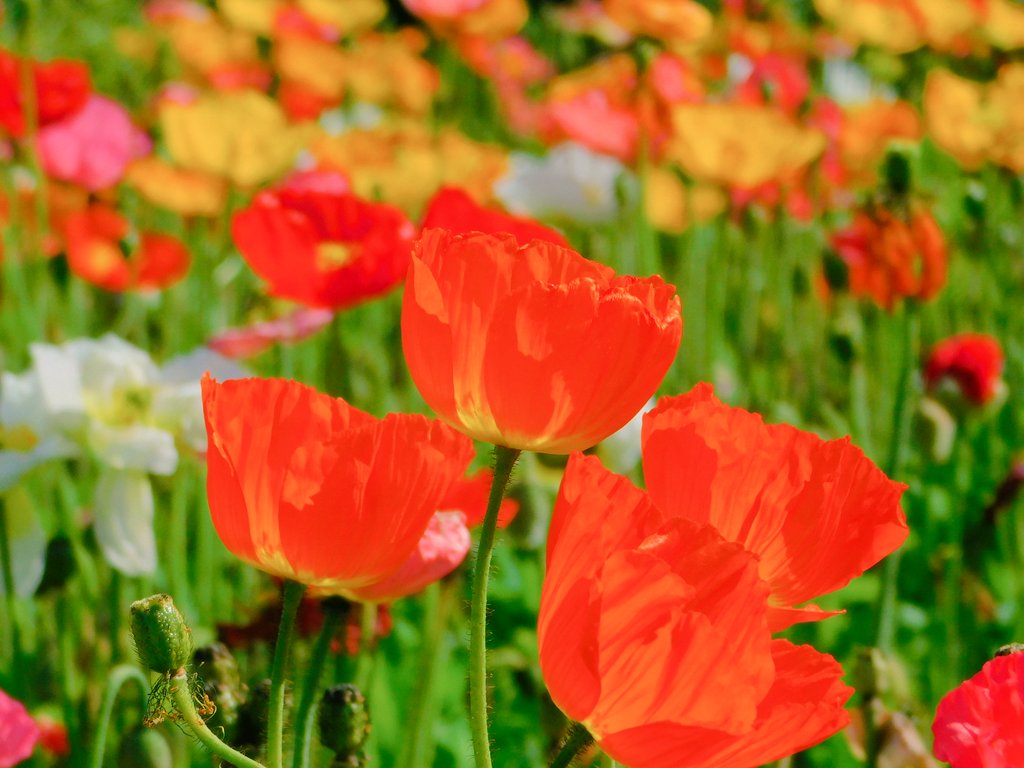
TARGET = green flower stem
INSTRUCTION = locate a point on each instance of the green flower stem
(887, 598)
(292, 596)
(893, 465)
(334, 610)
(579, 739)
(182, 694)
(504, 460)
(418, 747)
(119, 675)
(11, 601)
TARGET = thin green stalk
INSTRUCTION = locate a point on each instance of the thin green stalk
(334, 610)
(366, 657)
(181, 692)
(579, 739)
(417, 749)
(894, 461)
(504, 460)
(11, 599)
(119, 675)
(291, 597)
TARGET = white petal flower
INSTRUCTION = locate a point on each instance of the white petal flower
(570, 181)
(136, 447)
(123, 512)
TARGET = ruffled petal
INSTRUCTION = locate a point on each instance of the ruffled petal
(817, 513)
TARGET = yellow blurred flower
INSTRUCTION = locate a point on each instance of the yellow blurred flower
(387, 70)
(255, 16)
(494, 19)
(349, 17)
(405, 164)
(895, 25)
(318, 66)
(960, 117)
(204, 46)
(676, 22)
(190, 193)
(243, 136)
(672, 208)
(739, 145)
(950, 25)
(1004, 25)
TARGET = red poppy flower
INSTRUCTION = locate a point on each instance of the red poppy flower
(453, 209)
(817, 513)
(978, 725)
(61, 88)
(889, 257)
(445, 543)
(647, 617)
(533, 347)
(94, 239)
(973, 360)
(306, 487)
(321, 247)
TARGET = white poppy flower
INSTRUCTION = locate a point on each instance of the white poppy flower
(571, 182)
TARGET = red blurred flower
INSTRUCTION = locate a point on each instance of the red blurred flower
(306, 487)
(53, 736)
(973, 360)
(444, 544)
(18, 732)
(816, 513)
(61, 88)
(646, 618)
(979, 724)
(533, 346)
(453, 209)
(889, 256)
(323, 247)
(94, 240)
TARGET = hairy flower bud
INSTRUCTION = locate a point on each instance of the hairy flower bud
(344, 721)
(162, 639)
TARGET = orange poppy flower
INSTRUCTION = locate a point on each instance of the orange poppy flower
(647, 617)
(323, 247)
(94, 238)
(533, 346)
(816, 513)
(677, 22)
(454, 209)
(889, 256)
(306, 487)
(445, 543)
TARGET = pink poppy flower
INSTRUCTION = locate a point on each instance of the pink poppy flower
(252, 339)
(18, 732)
(93, 147)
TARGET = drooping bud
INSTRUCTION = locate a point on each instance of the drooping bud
(162, 639)
(144, 748)
(344, 723)
(222, 682)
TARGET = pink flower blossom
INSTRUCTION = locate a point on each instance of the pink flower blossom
(253, 339)
(93, 147)
(18, 732)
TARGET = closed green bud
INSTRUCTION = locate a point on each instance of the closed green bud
(344, 721)
(144, 748)
(162, 639)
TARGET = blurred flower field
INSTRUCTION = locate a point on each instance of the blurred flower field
(472, 383)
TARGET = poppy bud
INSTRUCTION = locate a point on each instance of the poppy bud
(162, 639)
(344, 723)
(144, 748)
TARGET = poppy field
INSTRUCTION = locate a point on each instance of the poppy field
(505, 383)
